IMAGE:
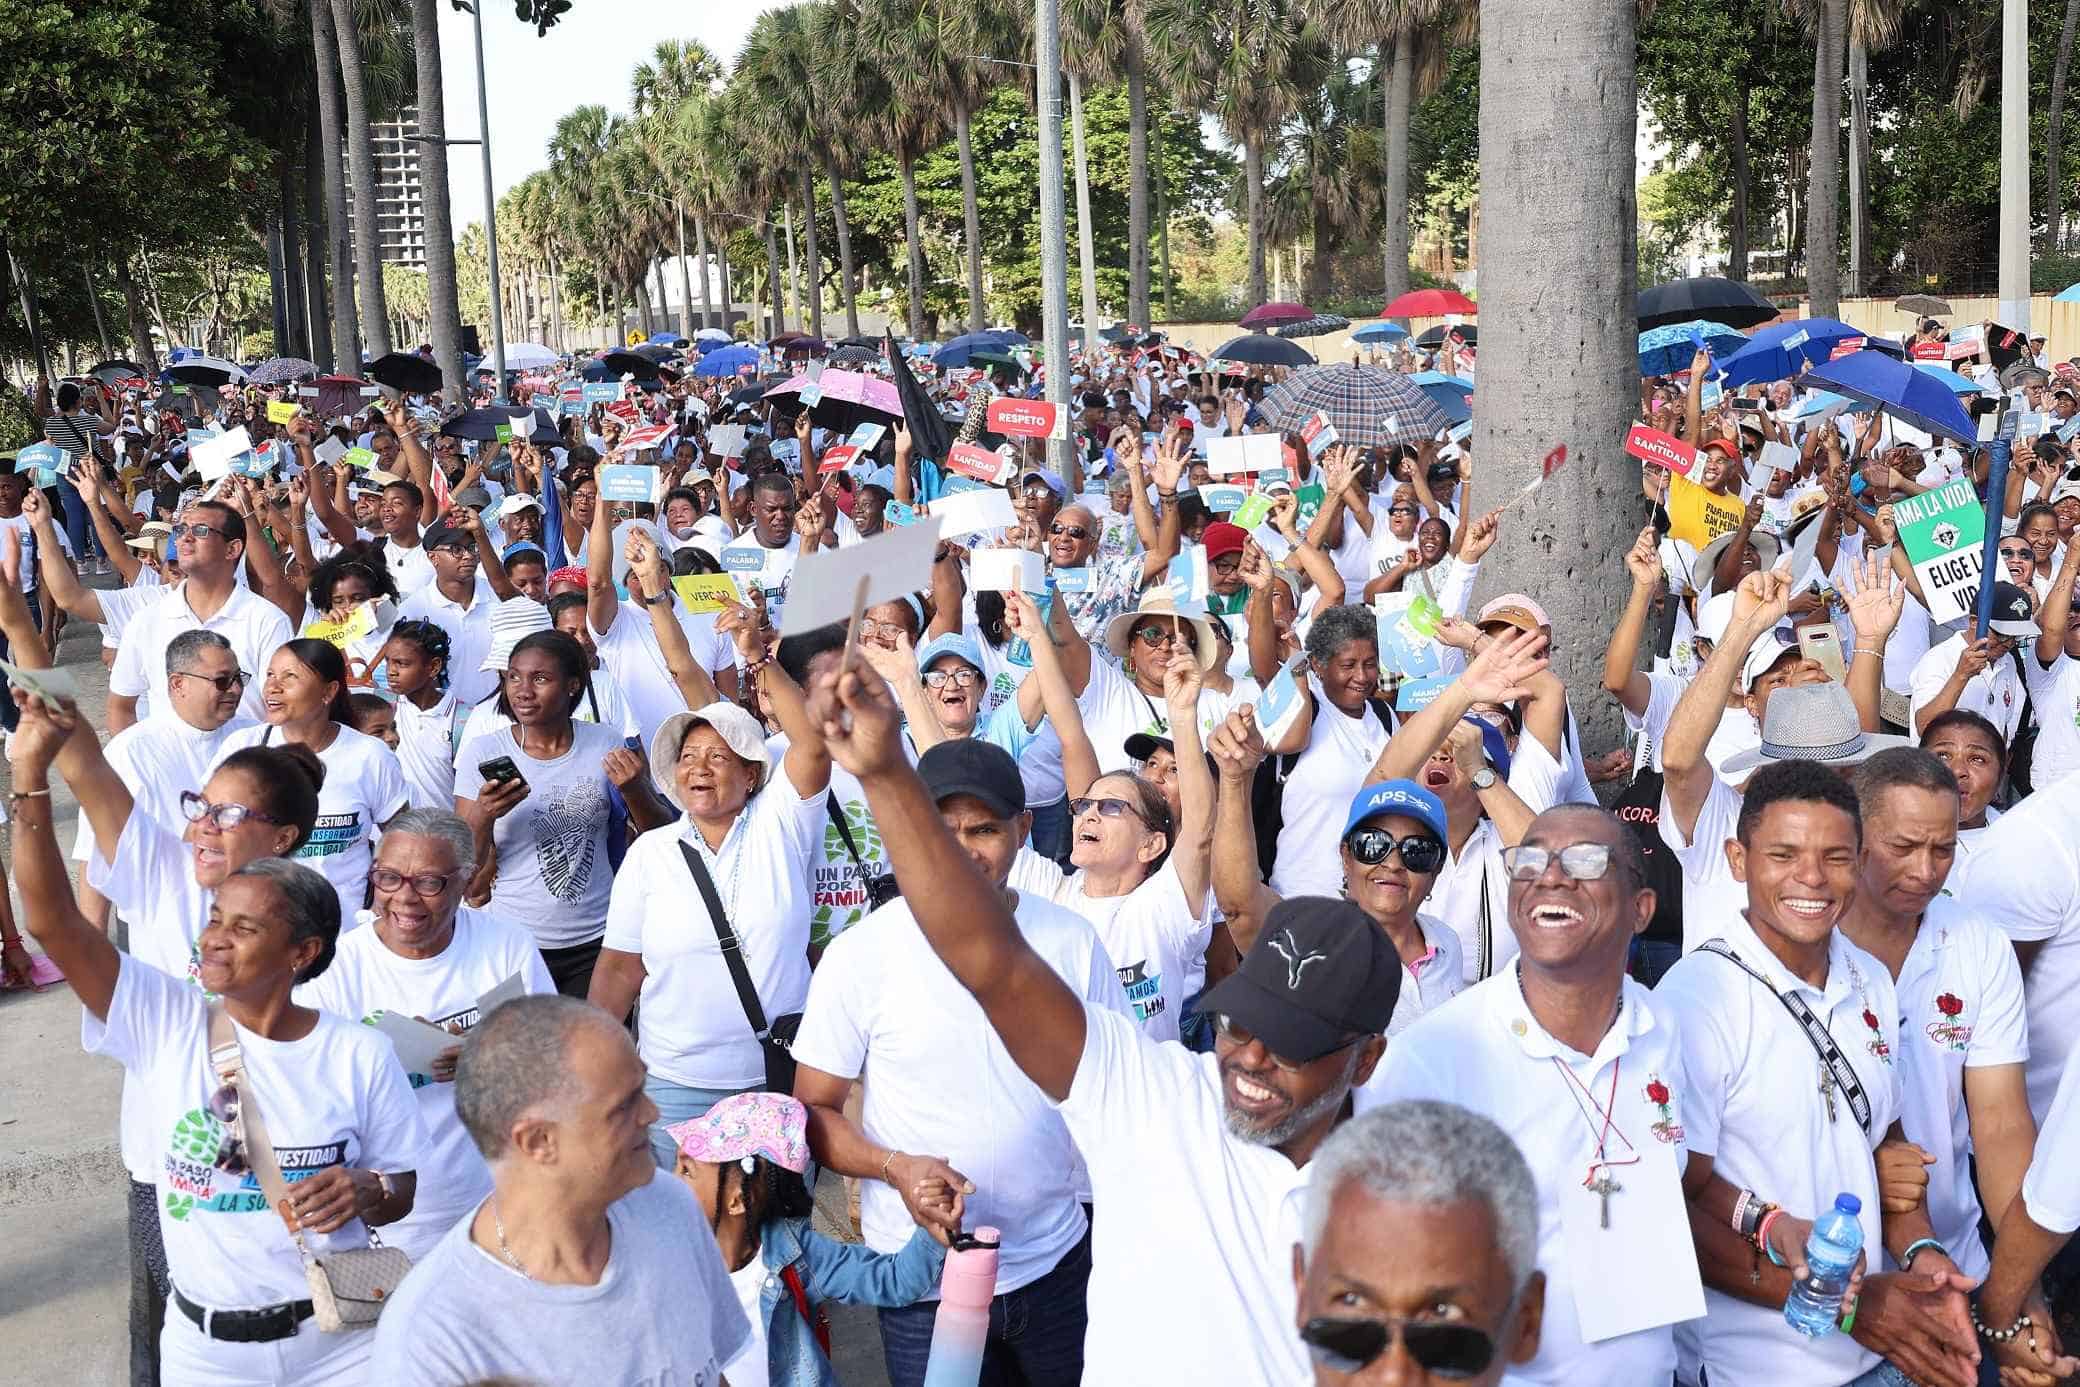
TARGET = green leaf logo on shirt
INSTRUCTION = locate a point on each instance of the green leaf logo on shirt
(179, 1206)
(197, 1137)
(864, 836)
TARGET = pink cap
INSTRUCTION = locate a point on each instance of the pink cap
(1514, 609)
(969, 1280)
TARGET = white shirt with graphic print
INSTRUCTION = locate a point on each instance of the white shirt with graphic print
(553, 874)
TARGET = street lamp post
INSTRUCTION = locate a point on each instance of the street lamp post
(498, 317)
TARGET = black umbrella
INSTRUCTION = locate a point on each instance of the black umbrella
(929, 435)
(1320, 325)
(655, 351)
(406, 373)
(752, 393)
(1709, 297)
(115, 369)
(872, 344)
(619, 362)
(1434, 337)
(849, 356)
(1262, 349)
(482, 425)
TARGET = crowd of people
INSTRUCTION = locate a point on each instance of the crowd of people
(521, 928)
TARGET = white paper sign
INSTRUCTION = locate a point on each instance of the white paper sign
(216, 458)
(727, 440)
(1252, 452)
(827, 583)
(966, 512)
(1007, 570)
(418, 1043)
(331, 450)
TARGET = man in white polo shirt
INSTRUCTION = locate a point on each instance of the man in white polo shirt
(460, 600)
(1197, 1162)
(210, 541)
(1790, 1036)
(1581, 1066)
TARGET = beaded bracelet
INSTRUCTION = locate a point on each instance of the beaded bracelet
(1999, 1336)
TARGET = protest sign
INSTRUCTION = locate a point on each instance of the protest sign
(968, 512)
(838, 458)
(706, 592)
(539, 400)
(1943, 532)
(649, 436)
(747, 559)
(866, 436)
(1661, 449)
(1223, 498)
(1007, 570)
(1317, 433)
(727, 440)
(1929, 351)
(1253, 512)
(1848, 346)
(330, 450)
(343, 633)
(1278, 706)
(1406, 625)
(364, 458)
(1696, 516)
(216, 457)
(50, 686)
(282, 411)
(1072, 579)
(829, 584)
(1252, 452)
(982, 464)
(1016, 418)
(1189, 580)
(625, 481)
(599, 392)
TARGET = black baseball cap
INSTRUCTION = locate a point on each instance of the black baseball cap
(969, 766)
(1319, 974)
(441, 533)
(1143, 745)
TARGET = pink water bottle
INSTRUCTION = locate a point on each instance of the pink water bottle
(966, 1288)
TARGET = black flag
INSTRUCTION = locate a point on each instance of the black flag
(929, 436)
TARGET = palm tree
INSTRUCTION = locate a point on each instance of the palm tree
(1873, 25)
(1823, 163)
(1095, 36)
(1236, 57)
(346, 330)
(907, 121)
(577, 150)
(786, 87)
(444, 309)
(2054, 133)
(368, 249)
(681, 73)
(1321, 193)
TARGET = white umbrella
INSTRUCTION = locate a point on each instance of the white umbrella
(528, 356)
(206, 370)
(712, 334)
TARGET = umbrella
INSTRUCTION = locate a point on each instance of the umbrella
(855, 356)
(1262, 349)
(619, 362)
(1457, 404)
(1911, 396)
(1127, 332)
(671, 340)
(1010, 336)
(2069, 294)
(1957, 384)
(726, 361)
(1320, 325)
(1369, 407)
(956, 351)
(482, 424)
(1272, 314)
(281, 370)
(995, 356)
(755, 391)
(405, 372)
(1665, 350)
(1766, 355)
(872, 344)
(1429, 303)
(337, 395)
(791, 342)
(528, 356)
(1434, 336)
(1922, 305)
(1423, 379)
(109, 372)
(655, 351)
(712, 334)
(1373, 334)
(1725, 301)
(206, 370)
(849, 399)
(929, 434)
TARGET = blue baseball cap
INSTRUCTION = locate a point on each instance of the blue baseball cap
(1403, 797)
(952, 643)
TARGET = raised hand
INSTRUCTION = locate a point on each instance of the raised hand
(1237, 744)
(1643, 559)
(1763, 596)
(1481, 536)
(1256, 568)
(1875, 598)
(1171, 456)
(1502, 673)
(1181, 680)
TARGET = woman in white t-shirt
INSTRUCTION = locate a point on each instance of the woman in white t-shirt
(305, 702)
(338, 1111)
(426, 955)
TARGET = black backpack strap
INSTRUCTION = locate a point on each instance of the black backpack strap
(830, 807)
(732, 951)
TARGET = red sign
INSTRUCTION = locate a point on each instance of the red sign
(981, 464)
(1026, 418)
(1930, 351)
(649, 437)
(1661, 449)
(1554, 461)
(624, 410)
(1845, 347)
(839, 458)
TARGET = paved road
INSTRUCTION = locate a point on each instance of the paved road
(64, 1261)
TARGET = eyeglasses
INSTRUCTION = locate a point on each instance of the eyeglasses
(198, 530)
(1107, 808)
(869, 626)
(1420, 852)
(1240, 1036)
(1075, 532)
(1448, 1350)
(1155, 635)
(1401, 510)
(428, 884)
(960, 678)
(461, 550)
(2023, 553)
(222, 683)
(224, 816)
(1578, 861)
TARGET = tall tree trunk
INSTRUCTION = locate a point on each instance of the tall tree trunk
(913, 245)
(141, 345)
(971, 219)
(774, 288)
(556, 337)
(2054, 133)
(1162, 185)
(277, 289)
(1737, 143)
(1558, 310)
(361, 153)
(443, 293)
(812, 264)
(643, 300)
(1137, 194)
(700, 241)
(1823, 170)
(726, 291)
(292, 259)
(1253, 176)
(1085, 255)
(346, 329)
(1317, 279)
(794, 273)
(1399, 94)
(844, 226)
(86, 275)
(31, 319)
(1859, 165)
(317, 313)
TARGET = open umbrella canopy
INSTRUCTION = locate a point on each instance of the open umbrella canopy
(658, 352)
(336, 395)
(1955, 383)
(115, 369)
(2069, 294)
(726, 361)
(1434, 336)
(1262, 349)
(1429, 303)
(628, 363)
(669, 340)
(1369, 407)
(1895, 388)
(1710, 297)
(855, 356)
(206, 370)
(482, 424)
(1272, 314)
(1922, 305)
(712, 334)
(956, 351)
(872, 344)
(1665, 350)
(1320, 325)
(1373, 334)
(1456, 404)
(528, 356)
(281, 370)
(406, 372)
(1782, 350)
(849, 399)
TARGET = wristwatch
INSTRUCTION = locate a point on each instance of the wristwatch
(389, 1190)
(1484, 778)
(661, 595)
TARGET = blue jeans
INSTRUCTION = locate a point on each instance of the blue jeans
(677, 1103)
(9, 714)
(1035, 1332)
(79, 526)
(1051, 838)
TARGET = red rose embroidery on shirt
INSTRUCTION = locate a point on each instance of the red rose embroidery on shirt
(1949, 1005)
(1870, 1019)
(1657, 1093)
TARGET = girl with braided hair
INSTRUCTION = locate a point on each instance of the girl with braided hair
(416, 658)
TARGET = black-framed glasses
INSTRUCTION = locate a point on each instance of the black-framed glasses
(1107, 808)
(1075, 532)
(225, 816)
(466, 550)
(960, 678)
(1239, 1035)
(1442, 1348)
(1420, 852)
(1578, 861)
(1401, 510)
(222, 683)
(2025, 552)
(1155, 635)
(428, 884)
(195, 529)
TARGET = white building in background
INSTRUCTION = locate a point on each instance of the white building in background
(400, 198)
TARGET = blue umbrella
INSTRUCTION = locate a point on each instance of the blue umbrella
(1379, 333)
(1458, 383)
(1895, 388)
(1782, 350)
(1961, 385)
(2069, 294)
(1665, 350)
(955, 353)
(726, 361)
(1448, 398)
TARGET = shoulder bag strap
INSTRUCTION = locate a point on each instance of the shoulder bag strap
(830, 807)
(227, 1061)
(1816, 1033)
(732, 951)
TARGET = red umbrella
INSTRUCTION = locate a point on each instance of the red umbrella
(1271, 314)
(328, 397)
(1429, 303)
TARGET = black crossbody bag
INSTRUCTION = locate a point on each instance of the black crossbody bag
(775, 1039)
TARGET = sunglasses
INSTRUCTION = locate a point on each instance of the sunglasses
(197, 530)
(2023, 553)
(1401, 510)
(224, 816)
(222, 683)
(1448, 1350)
(1075, 532)
(1155, 635)
(1107, 808)
(428, 884)
(1578, 861)
(1420, 853)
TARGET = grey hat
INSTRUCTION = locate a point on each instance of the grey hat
(1811, 722)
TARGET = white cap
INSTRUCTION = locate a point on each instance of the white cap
(1714, 617)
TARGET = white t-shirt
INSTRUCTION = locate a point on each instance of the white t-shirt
(693, 1030)
(366, 979)
(1712, 899)
(1154, 936)
(426, 750)
(2055, 693)
(120, 606)
(1340, 752)
(752, 1366)
(158, 758)
(469, 635)
(938, 1078)
(552, 846)
(1995, 692)
(2051, 1189)
(1486, 1052)
(1114, 708)
(363, 790)
(255, 627)
(411, 569)
(608, 700)
(662, 1311)
(628, 649)
(335, 1097)
(776, 568)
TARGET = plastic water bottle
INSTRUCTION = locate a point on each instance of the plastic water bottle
(966, 1287)
(1815, 1304)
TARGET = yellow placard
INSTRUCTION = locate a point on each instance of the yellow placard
(343, 633)
(1698, 517)
(707, 592)
(282, 411)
